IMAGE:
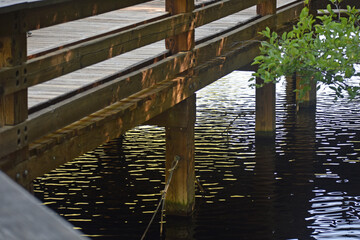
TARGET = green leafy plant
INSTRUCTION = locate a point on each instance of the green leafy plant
(324, 49)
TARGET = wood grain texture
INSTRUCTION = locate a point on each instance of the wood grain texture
(180, 198)
(267, 7)
(309, 100)
(265, 109)
(13, 52)
(45, 13)
(24, 217)
(220, 9)
(66, 60)
(186, 40)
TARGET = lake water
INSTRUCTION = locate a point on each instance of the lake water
(303, 185)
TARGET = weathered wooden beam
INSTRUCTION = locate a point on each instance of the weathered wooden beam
(221, 9)
(180, 198)
(13, 52)
(13, 107)
(83, 54)
(102, 126)
(234, 39)
(24, 217)
(83, 104)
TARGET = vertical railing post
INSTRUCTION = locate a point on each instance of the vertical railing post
(184, 41)
(14, 107)
(266, 8)
(265, 96)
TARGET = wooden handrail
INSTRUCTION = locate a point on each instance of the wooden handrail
(66, 60)
(45, 13)
(99, 48)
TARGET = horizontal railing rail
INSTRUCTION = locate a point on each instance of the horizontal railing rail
(96, 49)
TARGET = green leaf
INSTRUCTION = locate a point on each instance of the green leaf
(324, 52)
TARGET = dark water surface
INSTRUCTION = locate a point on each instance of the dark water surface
(303, 185)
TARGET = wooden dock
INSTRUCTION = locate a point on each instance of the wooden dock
(76, 74)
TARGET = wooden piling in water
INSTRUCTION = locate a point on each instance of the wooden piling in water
(180, 198)
(179, 123)
(265, 110)
(309, 99)
(265, 96)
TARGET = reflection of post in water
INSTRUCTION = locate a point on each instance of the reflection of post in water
(296, 167)
(262, 192)
(179, 228)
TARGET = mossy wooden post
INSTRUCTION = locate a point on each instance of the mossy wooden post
(309, 100)
(290, 90)
(265, 110)
(179, 125)
(13, 107)
(180, 198)
(265, 96)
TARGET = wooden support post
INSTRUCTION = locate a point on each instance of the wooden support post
(180, 198)
(309, 100)
(266, 8)
(290, 90)
(13, 107)
(265, 96)
(179, 124)
(265, 110)
(184, 41)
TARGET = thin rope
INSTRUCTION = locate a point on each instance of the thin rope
(162, 199)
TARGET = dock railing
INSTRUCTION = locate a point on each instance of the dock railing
(33, 143)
